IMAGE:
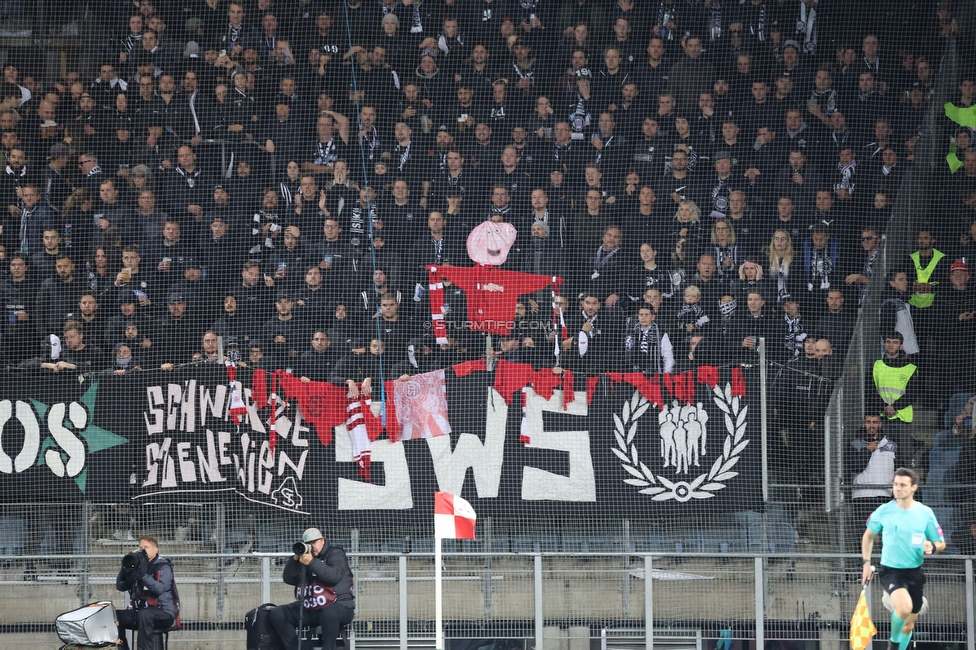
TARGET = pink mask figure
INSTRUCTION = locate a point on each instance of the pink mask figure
(490, 242)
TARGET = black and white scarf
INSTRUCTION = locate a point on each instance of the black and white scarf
(328, 153)
(403, 154)
(794, 334)
(191, 180)
(846, 176)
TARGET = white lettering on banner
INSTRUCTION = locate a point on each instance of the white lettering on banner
(154, 395)
(485, 460)
(355, 495)
(177, 410)
(70, 444)
(254, 468)
(32, 437)
(215, 406)
(541, 485)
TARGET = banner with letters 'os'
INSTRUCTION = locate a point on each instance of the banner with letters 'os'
(516, 443)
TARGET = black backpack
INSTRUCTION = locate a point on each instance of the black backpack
(260, 634)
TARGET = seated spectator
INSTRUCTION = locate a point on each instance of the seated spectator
(76, 355)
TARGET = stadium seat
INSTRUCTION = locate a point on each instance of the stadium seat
(956, 402)
(942, 458)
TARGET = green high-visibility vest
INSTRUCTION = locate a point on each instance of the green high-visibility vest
(891, 383)
(924, 300)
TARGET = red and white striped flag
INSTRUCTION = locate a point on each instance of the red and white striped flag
(238, 410)
(454, 517)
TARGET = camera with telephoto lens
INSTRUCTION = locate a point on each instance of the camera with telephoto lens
(135, 564)
(301, 548)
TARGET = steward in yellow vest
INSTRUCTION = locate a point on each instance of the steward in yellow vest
(928, 275)
(896, 382)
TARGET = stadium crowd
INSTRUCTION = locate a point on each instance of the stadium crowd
(281, 174)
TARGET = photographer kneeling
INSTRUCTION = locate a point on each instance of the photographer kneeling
(323, 589)
(154, 603)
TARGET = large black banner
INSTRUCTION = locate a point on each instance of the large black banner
(692, 449)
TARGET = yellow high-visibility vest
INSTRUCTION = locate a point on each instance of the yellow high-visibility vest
(891, 383)
(924, 300)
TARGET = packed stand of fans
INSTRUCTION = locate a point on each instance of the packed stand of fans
(282, 174)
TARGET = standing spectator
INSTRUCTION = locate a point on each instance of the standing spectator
(34, 219)
(318, 363)
(871, 459)
(57, 297)
(17, 291)
(836, 323)
(691, 76)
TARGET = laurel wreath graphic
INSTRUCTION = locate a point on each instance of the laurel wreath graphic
(660, 488)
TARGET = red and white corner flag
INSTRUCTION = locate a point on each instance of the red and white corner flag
(454, 518)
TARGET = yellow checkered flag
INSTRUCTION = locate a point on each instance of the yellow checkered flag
(862, 628)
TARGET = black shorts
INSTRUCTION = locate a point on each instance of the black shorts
(911, 579)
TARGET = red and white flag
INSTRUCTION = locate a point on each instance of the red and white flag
(454, 517)
(421, 407)
(356, 425)
(238, 410)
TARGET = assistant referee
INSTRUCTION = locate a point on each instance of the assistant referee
(910, 532)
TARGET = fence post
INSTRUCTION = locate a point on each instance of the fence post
(486, 585)
(760, 604)
(84, 589)
(221, 535)
(763, 418)
(537, 584)
(648, 604)
(266, 579)
(625, 587)
(403, 602)
(970, 623)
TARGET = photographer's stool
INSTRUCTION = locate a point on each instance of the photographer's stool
(161, 639)
(315, 634)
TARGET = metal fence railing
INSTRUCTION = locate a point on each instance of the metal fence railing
(525, 596)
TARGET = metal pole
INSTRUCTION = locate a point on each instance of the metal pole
(760, 605)
(648, 604)
(438, 597)
(764, 424)
(827, 456)
(486, 585)
(266, 579)
(537, 584)
(84, 588)
(625, 587)
(403, 602)
(221, 535)
(970, 623)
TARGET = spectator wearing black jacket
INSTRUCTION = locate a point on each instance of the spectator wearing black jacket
(77, 355)
(17, 291)
(318, 363)
(58, 297)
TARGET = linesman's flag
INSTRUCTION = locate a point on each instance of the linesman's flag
(453, 517)
(862, 628)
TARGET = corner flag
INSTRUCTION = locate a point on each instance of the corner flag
(862, 628)
(453, 517)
